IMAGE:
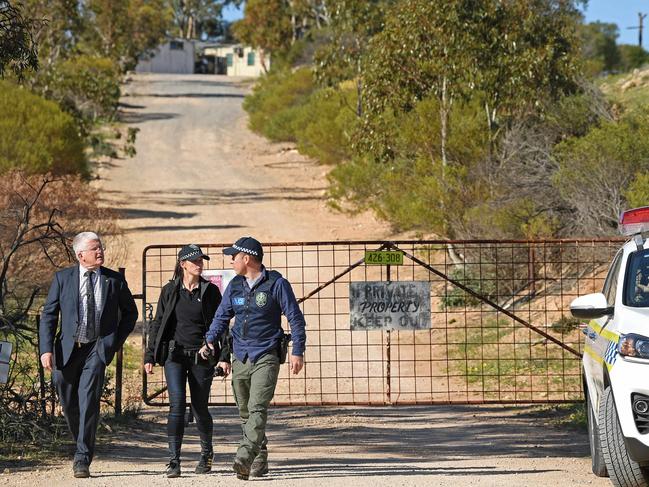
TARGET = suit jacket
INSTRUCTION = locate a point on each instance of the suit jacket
(117, 320)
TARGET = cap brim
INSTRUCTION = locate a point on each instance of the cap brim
(206, 257)
(230, 251)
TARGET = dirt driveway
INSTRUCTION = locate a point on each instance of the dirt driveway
(364, 447)
(201, 176)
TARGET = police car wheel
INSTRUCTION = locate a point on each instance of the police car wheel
(624, 471)
(598, 464)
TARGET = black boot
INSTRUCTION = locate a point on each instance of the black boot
(259, 466)
(205, 463)
(173, 467)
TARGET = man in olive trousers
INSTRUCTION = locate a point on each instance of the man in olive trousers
(256, 298)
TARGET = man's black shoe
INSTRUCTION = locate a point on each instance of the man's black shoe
(173, 469)
(205, 463)
(80, 469)
(259, 467)
(242, 470)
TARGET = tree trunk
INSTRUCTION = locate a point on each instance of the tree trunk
(443, 115)
(359, 96)
(291, 6)
(190, 28)
(456, 258)
(359, 86)
(262, 60)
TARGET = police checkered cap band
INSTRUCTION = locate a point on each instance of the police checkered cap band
(191, 252)
(243, 249)
(246, 245)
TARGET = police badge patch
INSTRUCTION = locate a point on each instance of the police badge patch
(261, 299)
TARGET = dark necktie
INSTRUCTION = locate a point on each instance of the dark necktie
(91, 332)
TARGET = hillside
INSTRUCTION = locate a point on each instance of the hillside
(628, 90)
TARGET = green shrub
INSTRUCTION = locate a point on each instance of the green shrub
(637, 194)
(85, 85)
(596, 170)
(632, 57)
(565, 324)
(458, 298)
(274, 103)
(325, 125)
(518, 218)
(36, 135)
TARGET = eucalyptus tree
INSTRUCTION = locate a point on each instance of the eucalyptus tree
(124, 30)
(18, 50)
(509, 54)
(266, 26)
(352, 25)
(437, 66)
(194, 18)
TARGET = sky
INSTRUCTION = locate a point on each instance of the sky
(231, 13)
(624, 13)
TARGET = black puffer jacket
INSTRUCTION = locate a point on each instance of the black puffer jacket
(162, 328)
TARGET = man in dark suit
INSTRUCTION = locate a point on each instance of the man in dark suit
(97, 314)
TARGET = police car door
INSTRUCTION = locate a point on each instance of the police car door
(596, 344)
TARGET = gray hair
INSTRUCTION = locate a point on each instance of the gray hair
(81, 238)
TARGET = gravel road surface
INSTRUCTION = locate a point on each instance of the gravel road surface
(372, 447)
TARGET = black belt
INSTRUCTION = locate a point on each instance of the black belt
(83, 344)
(188, 352)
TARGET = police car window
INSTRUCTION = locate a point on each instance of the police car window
(610, 285)
(636, 280)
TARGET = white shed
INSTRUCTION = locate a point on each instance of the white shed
(174, 56)
(237, 60)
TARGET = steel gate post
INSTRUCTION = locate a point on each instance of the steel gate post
(387, 369)
(119, 362)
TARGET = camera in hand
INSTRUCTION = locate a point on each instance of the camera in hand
(219, 372)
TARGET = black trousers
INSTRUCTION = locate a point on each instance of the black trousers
(180, 370)
(79, 385)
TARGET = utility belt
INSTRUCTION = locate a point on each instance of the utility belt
(180, 352)
(281, 350)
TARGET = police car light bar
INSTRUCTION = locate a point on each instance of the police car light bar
(634, 221)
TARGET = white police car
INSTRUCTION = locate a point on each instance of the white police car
(616, 360)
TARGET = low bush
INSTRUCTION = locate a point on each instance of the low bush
(86, 86)
(596, 171)
(274, 104)
(458, 298)
(325, 125)
(36, 136)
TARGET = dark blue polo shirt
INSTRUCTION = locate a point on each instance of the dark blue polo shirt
(257, 328)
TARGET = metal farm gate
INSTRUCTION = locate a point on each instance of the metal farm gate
(500, 330)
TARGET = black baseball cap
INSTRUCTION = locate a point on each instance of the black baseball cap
(192, 252)
(248, 245)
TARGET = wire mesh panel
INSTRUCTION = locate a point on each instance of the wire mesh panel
(500, 330)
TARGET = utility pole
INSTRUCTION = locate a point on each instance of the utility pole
(641, 17)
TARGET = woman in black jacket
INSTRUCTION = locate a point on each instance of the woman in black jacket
(185, 310)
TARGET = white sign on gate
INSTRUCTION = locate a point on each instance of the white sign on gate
(5, 357)
(395, 305)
